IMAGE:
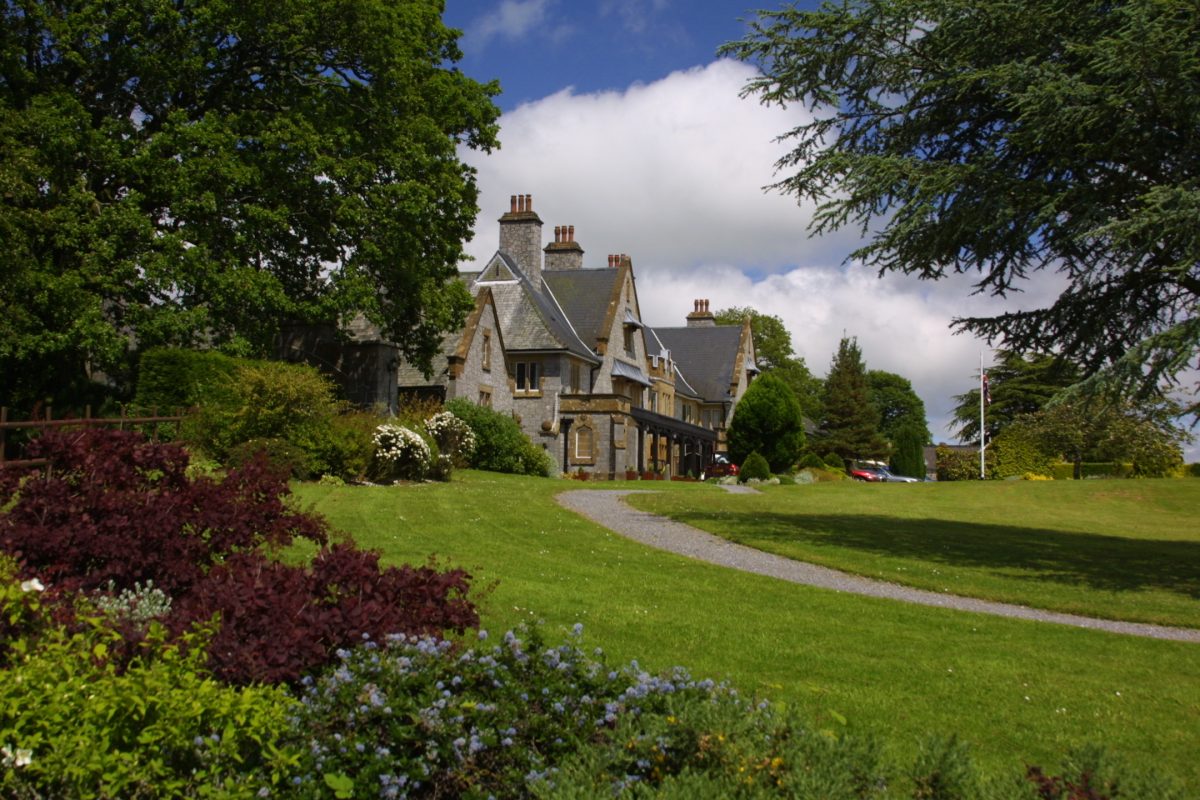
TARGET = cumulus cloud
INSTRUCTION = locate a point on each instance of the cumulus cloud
(671, 173)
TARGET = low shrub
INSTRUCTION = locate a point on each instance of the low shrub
(1088, 469)
(454, 437)
(835, 462)
(811, 461)
(960, 465)
(280, 454)
(755, 467)
(113, 514)
(400, 454)
(279, 622)
(154, 727)
(114, 508)
(500, 445)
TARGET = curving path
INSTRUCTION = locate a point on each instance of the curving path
(606, 508)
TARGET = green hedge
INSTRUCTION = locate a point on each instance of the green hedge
(1103, 469)
(170, 378)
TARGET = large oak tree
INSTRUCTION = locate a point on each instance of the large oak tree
(195, 172)
(1005, 138)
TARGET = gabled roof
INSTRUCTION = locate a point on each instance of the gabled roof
(706, 355)
(532, 320)
(584, 295)
(453, 345)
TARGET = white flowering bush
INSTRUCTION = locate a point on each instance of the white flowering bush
(453, 435)
(138, 605)
(401, 453)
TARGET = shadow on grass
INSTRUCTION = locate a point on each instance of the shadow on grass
(1101, 562)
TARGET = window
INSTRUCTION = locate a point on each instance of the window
(487, 351)
(527, 377)
(485, 397)
(583, 444)
(629, 330)
(576, 378)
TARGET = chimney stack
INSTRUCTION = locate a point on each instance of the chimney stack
(701, 317)
(521, 237)
(564, 252)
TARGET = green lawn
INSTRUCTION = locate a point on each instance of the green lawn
(1020, 692)
(1126, 550)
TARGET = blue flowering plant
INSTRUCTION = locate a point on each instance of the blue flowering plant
(418, 717)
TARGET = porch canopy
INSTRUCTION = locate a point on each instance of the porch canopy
(696, 444)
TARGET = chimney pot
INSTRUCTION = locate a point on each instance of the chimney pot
(529, 202)
(570, 233)
(512, 200)
(557, 234)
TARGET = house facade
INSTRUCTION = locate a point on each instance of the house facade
(563, 348)
(600, 390)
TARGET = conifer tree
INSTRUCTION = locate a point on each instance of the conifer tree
(849, 420)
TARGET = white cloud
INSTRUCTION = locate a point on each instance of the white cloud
(672, 172)
(513, 20)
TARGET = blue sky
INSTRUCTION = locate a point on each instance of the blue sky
(620, 119)
(537, 47)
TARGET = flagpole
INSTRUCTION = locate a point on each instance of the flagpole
(982, 429)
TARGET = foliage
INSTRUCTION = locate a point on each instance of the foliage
(810, 460)
(113, 512)
(500, 445)
(197, 174)
(1005, 140)
(908, 451)
(773, 347)
(849, 420)
(899, 406)
(453, 436)
(1021, 383)
(172, 377)
(401, 454)
(281, 455)
(960, 465)
(754, 468)
(1144, 435)
(112, 506)
(279, 622)
(767, 420)
(411, 717)
(156, 726)
(1019, 451)
(138, 605)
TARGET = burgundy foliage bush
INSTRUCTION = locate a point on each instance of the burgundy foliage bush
(111, 506)
(279, 622)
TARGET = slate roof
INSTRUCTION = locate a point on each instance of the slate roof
(532, 320)
(706, 355)
(584, 295)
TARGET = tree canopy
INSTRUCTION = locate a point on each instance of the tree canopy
(849, 420)
(767, 421)
(1003, 139)
(196, 173)
(773, 346)
(1021, 383)
(899, 406)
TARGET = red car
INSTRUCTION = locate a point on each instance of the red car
(867, 474)
(719, 467)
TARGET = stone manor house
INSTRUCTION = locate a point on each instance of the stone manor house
(563, 348)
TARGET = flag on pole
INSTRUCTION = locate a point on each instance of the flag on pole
(987, 394)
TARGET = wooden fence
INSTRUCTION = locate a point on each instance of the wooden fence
(45, 422)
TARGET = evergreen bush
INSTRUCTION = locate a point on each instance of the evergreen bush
(755, 467)
(768, 421)
(1017, 451)
(811, 461)
(500, 445)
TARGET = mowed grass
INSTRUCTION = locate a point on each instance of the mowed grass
(1127, 550)
(1019, 692)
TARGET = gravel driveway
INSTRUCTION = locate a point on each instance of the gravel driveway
(606, 508)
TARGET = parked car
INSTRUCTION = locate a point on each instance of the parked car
(891, 477)
(719, 467)
(868, 474)
(873, 473)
